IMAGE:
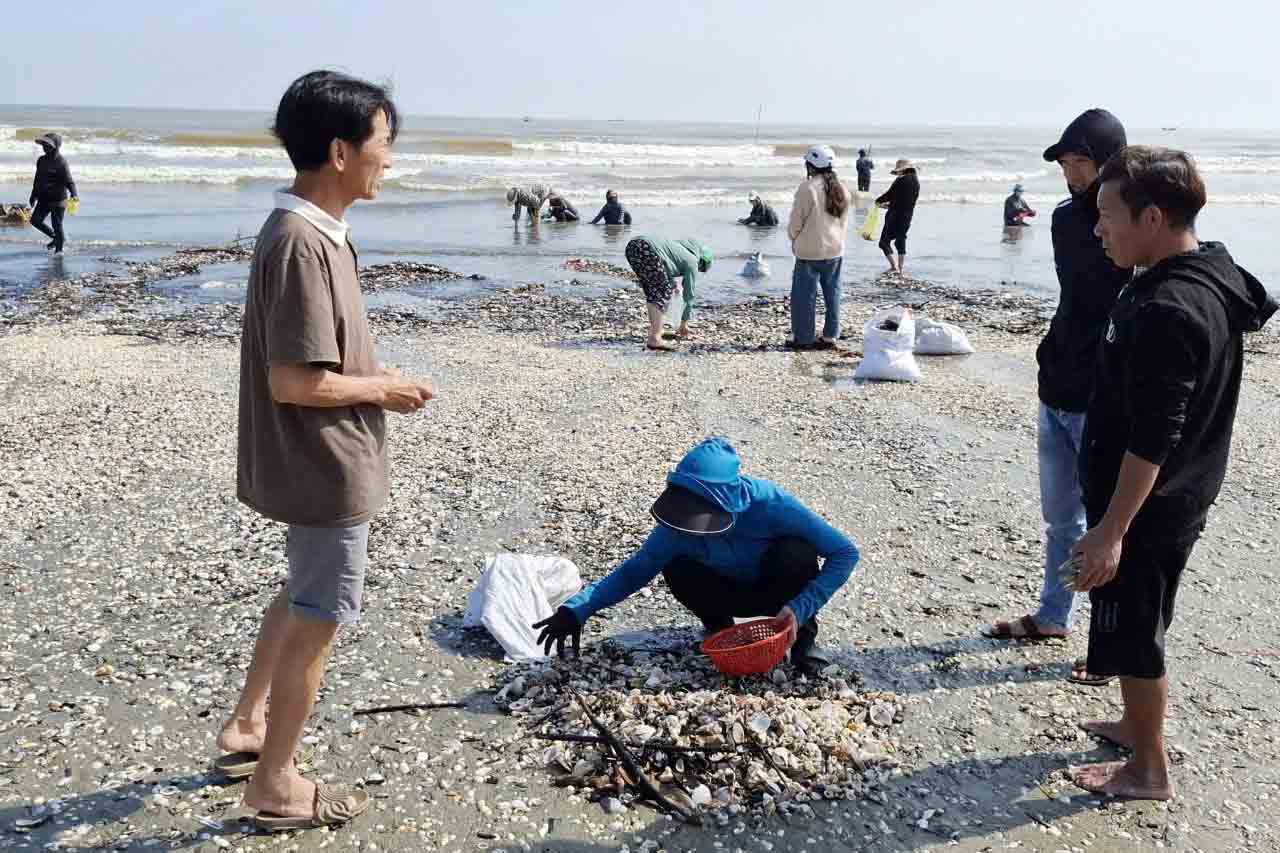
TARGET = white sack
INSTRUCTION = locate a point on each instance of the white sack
(515, 591)
(934, 338)
(888, 354)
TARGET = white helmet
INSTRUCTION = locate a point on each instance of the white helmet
(820, 157)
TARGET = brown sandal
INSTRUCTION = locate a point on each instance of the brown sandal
(236, 765)
(330, 808)
(1031, 631)
(1088, 679)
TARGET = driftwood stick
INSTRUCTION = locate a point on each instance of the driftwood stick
(633, 768)
(416, 706)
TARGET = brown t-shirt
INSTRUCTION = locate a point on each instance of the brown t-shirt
(323, 467)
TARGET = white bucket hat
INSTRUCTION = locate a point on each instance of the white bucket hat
(820, 157)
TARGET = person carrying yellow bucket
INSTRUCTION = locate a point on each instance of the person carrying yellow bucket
(50, 189)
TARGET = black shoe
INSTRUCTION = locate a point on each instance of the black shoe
(50, 245)
(791, 344)
(805, 654)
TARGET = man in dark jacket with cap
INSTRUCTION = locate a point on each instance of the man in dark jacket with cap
(1089, 284)
(1156, 439)
(49, 190)
(728, 546)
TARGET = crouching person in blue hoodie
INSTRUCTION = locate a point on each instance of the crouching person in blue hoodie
(728, 546)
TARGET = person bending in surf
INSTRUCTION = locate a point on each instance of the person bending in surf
(560, 209)
(530, 200)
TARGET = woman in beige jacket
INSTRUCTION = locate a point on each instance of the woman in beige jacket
(819, 223)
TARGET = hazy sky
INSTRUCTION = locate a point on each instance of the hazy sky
(1176, 62)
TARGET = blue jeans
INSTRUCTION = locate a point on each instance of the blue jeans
(806, 278)
(1061, 505)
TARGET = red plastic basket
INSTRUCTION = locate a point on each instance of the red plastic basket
(751, 648)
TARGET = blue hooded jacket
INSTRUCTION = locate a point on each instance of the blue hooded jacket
(762, 512)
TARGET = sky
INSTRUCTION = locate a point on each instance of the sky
(1188, 64)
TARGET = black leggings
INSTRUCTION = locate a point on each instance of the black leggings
(56, 211)
(787, 566)
(899, 239)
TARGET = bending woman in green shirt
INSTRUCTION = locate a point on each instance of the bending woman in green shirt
(657, 262)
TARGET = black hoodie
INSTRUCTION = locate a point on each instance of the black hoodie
(1088, 282)
(1167, 386)
(53, 175)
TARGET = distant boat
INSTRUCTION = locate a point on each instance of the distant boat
(527, 119)
(1168, 129)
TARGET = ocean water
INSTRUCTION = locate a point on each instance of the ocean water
(151, 180)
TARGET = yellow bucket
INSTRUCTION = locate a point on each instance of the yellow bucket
(73, 206)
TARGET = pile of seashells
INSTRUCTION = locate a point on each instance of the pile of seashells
(708, 743)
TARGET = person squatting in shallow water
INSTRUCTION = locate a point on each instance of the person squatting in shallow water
(49, 191)
(312, 446)
(559, 209)
(1088, 284)
(761, 213)
(613, 213)
(657, 262)
(728, 546)
(530, 200)
(900, 201)
(1157, 437)
(818, 227)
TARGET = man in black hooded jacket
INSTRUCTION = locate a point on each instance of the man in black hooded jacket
(49, 190)
(1089, 283)
(1156, 440)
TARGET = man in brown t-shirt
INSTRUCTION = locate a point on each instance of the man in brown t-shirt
(312, 436)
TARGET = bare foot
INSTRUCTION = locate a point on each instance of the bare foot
(240, 734)
(1095, 773)
(285, 795)
(1123, 781)
(1113, 730)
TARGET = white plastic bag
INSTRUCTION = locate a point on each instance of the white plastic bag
(674, 311)
(755, 267)
(515, 591)
(935, 338)
(887, 354)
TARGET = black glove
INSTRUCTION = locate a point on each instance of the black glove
(556, 628)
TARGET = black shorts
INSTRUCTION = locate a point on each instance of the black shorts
(1131, 614)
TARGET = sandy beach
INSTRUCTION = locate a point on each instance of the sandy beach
(133, 581)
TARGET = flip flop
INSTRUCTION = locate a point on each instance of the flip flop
(659, 348)
(330, 808)
(237, 765)
(1089, 679)
(1031, 631)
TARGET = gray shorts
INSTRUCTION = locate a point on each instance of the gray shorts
(326, 571)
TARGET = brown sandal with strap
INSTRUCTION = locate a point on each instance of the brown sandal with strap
(331, 807)
(1031, 631)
